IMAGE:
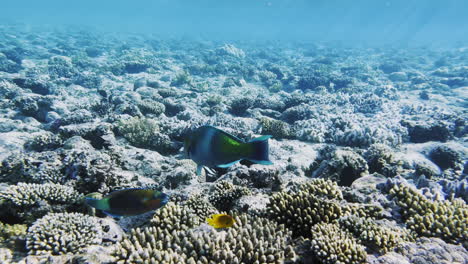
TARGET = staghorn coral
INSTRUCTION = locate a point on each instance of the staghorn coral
(225, 193)
(29, 201)
(376, 237)
(446, 219)
(331, 245)
(250, 240)
(62, 233)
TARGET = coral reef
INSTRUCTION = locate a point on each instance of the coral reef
(330, 245)
(250, 240)
(62, 233)
(342, 165)
(376, 237)
(225, 193)
(445, 219)
(29, 201)
(84, 111)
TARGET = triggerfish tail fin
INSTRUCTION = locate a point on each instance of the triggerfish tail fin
(101, 204)
(259, 150)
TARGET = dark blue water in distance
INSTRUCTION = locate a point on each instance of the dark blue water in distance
(361, 21)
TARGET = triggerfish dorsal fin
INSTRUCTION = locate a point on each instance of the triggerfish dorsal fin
(260, 150)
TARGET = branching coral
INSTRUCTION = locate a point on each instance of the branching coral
(61, 233)
(200, 206)
(376, 237)
(307, 207)
(29, 194)
(331, 245)
(250, 240)
(319, 201)
(10, 234)
(46, 141)
(225, 193)
(29, 201)
(173, 217)
(445, 219)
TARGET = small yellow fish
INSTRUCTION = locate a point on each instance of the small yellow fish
(221, 221)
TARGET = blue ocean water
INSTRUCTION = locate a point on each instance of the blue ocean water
(361, 21)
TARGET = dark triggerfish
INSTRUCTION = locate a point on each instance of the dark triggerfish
(129, 202)
(211, 147)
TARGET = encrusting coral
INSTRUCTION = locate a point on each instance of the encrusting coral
(445, 219)
(62, 233)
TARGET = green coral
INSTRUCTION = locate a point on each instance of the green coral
(377, 237)
(277, 128)
(445, 219)
(332, 245)
(225, 194)
(62, 233)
